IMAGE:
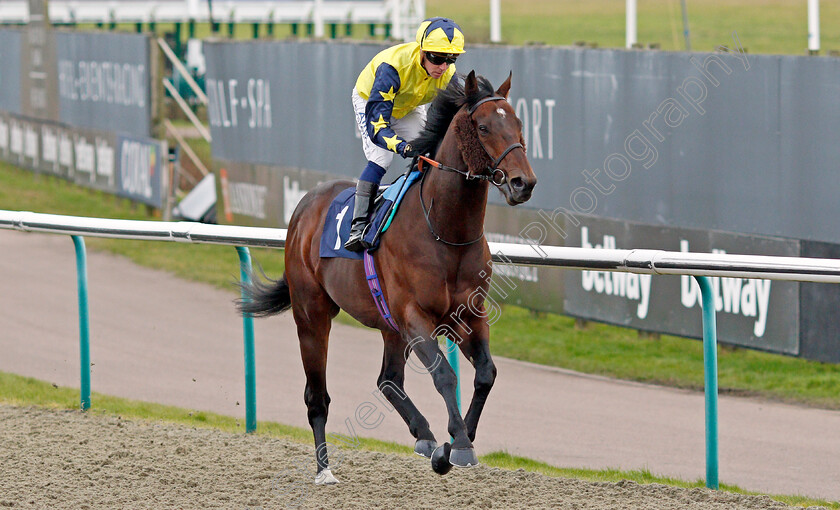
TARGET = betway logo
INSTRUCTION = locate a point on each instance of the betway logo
(635, 287)
(747, 297)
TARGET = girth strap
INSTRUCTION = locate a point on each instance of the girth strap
(376, 291)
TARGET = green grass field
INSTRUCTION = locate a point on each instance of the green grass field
(763, 26)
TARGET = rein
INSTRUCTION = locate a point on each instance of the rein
(427, 212)
(493, 171)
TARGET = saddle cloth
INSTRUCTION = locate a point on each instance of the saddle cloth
(340, 216)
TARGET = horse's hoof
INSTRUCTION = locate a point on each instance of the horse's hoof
(463, 457)
(425, 447)
(440, 459)
(325, 477)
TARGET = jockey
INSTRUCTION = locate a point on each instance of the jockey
(390, 99)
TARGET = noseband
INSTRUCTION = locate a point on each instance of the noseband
(492, 171)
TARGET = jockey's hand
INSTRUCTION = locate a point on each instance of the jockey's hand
(408, 151)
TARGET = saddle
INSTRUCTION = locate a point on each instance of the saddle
(339, 215)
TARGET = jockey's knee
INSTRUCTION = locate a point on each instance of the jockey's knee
(373, 173)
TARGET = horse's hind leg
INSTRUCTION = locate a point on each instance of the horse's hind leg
(313, 315)
(390, 383)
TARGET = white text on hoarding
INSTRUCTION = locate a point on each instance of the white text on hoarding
(227, 102)
(102, 82)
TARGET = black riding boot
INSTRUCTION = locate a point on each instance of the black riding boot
(365, 194)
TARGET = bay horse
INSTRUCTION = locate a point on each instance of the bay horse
(434, 267)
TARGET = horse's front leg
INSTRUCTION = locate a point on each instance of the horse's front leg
(476, 348)
(418, 335)
(390, 383)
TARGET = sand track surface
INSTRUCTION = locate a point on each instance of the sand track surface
(71, 459)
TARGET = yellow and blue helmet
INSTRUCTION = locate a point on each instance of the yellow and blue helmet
(440, 35)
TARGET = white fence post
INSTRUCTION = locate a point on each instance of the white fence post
(813, 26)
(495, 21)
(318, 18)
(630, 24)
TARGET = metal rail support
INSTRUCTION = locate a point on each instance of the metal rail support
(711, 380)
(633, 261)
(84, 335)
(248, 330)
(455, 363)
(84, 330)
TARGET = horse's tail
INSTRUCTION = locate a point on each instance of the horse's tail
(264, 297)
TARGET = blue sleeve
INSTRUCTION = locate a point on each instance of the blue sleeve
(380, 105)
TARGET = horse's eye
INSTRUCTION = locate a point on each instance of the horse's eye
(483, 129)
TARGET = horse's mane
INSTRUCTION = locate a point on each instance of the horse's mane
(443, 109)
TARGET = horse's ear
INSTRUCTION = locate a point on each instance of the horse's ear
(471, 84)
(504, 88)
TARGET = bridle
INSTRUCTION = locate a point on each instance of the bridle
(492, 170)
(489, 175)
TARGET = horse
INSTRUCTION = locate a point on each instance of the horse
(434, 266)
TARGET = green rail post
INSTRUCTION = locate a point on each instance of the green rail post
(248, 328)
(84, 331)
(455, 363)
(711, 380)
(179, 39)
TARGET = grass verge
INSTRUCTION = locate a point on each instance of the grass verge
(26, 391)
(621, 353)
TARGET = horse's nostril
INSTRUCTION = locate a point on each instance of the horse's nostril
(517, 184)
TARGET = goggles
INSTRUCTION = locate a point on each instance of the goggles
(440, 58)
